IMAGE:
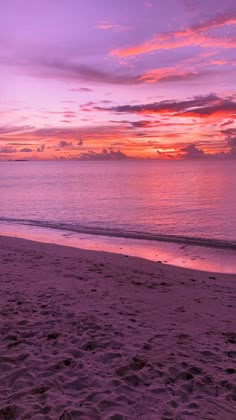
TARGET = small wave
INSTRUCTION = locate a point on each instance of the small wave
(129, 234)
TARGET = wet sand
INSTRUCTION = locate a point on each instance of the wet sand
(107, 336)
(203, 258)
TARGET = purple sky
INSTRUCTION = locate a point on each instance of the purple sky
(112, 79)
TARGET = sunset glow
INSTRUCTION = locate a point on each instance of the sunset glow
(127, 79)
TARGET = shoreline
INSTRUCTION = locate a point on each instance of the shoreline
(201, 258)
(182, 240)
(106, 336)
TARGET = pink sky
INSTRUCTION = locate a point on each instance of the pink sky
(117, 79)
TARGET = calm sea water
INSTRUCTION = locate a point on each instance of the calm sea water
(190, 202)
(190, 199)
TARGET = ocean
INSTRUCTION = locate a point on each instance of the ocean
(163, 206)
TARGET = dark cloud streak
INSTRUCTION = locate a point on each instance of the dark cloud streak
(199, 106)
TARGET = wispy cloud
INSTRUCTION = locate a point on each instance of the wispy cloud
(109, 25)
(59, 69)
(10, 129)
(81, 89)
(72, 71)
(195, 35)
(169, 75)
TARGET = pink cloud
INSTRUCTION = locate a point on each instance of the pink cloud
(220, 62)
(196, 35)
(168, 74)
(108, 25)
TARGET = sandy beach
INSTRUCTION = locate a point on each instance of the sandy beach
(96, 335)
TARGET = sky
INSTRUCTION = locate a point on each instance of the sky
(117, 79)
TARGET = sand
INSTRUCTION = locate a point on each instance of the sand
(95, 335)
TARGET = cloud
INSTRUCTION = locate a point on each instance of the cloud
(56, 68)
(135, 134)
(219, 62)
(64, 143)
(232, 152)
(55, 132)
(144, 124)
(230, 138)
(59, 69)
(69, 134)
(67, 113)
(106, 101)
(7, 150)
(109, 25)
(26, 150)
(87, 107)
(169, 75)
(196, 35)
(137, 124)
(41, 149)
(229, 122)
(232, 141)
(198, 106)
(191, 151)
(82, 89)
(217, 21)
(70, 114)
(229, 131)
(104, 155)
(14, 129)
